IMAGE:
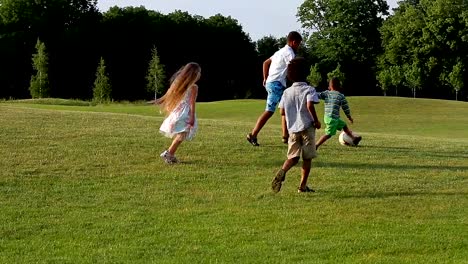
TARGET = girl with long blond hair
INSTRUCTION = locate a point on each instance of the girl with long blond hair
(179, 105)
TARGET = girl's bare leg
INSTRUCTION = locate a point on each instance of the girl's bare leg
(176, 143)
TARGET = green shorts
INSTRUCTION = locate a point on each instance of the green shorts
(333, 124)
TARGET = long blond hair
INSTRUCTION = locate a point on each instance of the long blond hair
(181, 81)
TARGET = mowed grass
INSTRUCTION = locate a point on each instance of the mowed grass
(85, 184)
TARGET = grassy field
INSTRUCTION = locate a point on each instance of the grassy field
(85, 184)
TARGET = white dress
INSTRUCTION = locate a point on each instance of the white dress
(177, 121)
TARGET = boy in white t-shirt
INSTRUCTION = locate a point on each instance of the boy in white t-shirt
(274, 80)
(297, 106)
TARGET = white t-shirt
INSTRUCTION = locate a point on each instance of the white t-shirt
(279, 65)
(294, 103)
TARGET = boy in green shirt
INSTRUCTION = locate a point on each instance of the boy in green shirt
(333, 101)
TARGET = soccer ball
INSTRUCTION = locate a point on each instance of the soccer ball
(346, 140)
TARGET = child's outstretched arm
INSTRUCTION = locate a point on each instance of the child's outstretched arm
(311, 108)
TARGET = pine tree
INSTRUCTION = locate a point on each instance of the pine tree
(102, 89)
(39, 85)
(314, 77)
(155, 75)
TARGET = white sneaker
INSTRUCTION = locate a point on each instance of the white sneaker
(168, 158)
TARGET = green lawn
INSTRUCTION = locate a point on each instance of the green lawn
(85, 184)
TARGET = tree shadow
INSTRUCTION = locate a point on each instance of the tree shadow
(435, 153)
(383, 195)
(399, 149)
(383, 166)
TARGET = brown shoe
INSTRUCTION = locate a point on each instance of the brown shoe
(278, 180)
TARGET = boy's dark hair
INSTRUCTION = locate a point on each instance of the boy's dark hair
(336, 83)
(294, 36)
(298, 70)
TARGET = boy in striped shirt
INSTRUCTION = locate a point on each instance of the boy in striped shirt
(333, 101)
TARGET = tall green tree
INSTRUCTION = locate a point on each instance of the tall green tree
(390, 77)
(39, 86)
(267, 46)
(337, 73)
(128, 33)
(397, 76)
(456, 78)
(77, 35)
(155, 77)
(346, 32)
(236, 76)
(413, 76)
(385, 80)
(427, 38)
(315, 77)
(102, 88)
(67, 26)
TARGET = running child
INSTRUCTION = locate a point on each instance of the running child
(297, 106)
(334, 100)
(274, 81)
(179, 105)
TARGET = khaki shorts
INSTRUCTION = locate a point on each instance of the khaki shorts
(302, 143)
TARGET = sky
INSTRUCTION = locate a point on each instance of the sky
(258, 18)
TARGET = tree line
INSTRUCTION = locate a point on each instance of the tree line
(76, 36)
(418, 50)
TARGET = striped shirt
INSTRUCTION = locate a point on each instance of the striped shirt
(333, 101)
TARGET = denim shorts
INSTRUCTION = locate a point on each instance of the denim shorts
(275, 91)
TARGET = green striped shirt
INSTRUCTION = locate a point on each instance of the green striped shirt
(333, 101)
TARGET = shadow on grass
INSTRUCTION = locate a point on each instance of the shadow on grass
(393, 194)
(385, 149)
(435, 153)
(370, 166)
(321, 193)
(274, 165)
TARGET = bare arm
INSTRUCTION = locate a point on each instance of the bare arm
(266, 68)
(193, 100)
(283, 123)
(345, 107)
(311, 108)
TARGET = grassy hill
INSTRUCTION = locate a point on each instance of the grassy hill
(81, 183)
